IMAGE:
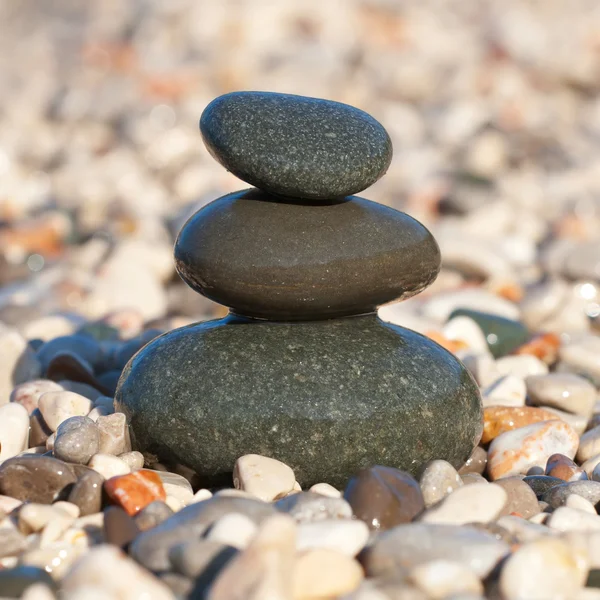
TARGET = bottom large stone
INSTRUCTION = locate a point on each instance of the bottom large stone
(325, 397)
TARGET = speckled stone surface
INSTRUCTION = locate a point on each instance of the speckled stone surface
(326, 397)
(294, 145)
(295, 260)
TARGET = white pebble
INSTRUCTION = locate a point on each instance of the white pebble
(108, 465)
(14, 430)
(264, 477)
(325, 490)
(565, 518)
(580, 503)
(589, 445)
(343, 535)
(522, 365)
(476, 503)
(507, 391)
(57, 407)
(200, 495)
(445, 578)
(233, 529)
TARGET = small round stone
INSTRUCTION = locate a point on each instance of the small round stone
(294, 145)
(77, 440)
(291, 260)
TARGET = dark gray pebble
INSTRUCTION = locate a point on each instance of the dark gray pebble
(35, 478)
(294, 145)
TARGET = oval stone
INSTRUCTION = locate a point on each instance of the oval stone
(296, 146)
(292, 260)
(327, 398)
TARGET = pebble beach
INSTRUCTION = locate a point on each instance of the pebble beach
(117, 483)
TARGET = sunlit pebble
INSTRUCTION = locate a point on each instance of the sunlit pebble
(35, 262)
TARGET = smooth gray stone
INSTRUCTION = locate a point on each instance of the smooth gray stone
(87, 491)
(557, 495)
(292, 260)
(325, 397)
(194, 557)
(407, 546)
(77, 440)
(151, 548)
(152, 515)
(294, 145)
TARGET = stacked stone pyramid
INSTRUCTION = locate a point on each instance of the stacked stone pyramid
(302, 369)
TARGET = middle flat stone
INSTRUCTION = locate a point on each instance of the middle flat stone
(265, 257)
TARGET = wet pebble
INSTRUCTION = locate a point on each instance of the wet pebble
(383, 497)
(35, 478)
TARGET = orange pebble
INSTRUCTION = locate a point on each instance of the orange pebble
(499, 419)
(544, 346)
(136, 490)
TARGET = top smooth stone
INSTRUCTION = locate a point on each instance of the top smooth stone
(296, 146)
(279, 259)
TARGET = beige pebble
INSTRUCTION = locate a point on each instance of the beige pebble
(482, 367)
(525, 531)
(522, 366)
(127, 579)
(233, 529)
(264, 569)
(589, 445)
(38, 591)
(577, 422)
(323, 573)
(590, 464)
(55, 559)
(445, 578)
(509, 390)
(97, 412)
(580, 503)
(8, 504)
(476, 503)
(581, 356)
(134, 459)
(264, 477)
(108, 465)
(516, 451)
(54, 529)
(325, 490)
(174, 503)
(34, 517)
(564, 391)
(57, 407)
(565, 518)
(526, 573)
(342, 535)
(14, 430)
(114, 434)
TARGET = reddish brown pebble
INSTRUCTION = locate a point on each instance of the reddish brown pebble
(499, 419)
(136, 490)
(564, 468)
(384, 497)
